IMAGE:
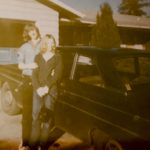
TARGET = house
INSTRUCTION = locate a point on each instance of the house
(14, 14)
(134, 30)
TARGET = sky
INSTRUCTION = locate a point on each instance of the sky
(93, 5)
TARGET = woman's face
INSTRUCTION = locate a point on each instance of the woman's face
(33, 34)
(50, 44)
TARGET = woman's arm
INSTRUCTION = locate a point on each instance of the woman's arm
(35, 72)
(21, 59)
(23, 66)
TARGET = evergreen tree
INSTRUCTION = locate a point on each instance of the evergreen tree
(133, 7)
(105, 33)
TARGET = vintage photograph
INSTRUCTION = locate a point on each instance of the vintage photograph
(74, 74)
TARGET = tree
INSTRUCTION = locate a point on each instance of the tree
(105, 33)
(133, 7)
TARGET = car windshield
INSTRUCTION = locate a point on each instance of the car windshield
(133, 70)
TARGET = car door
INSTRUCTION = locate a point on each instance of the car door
(86, 102)
(135, 75)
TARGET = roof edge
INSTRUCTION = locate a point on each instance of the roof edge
(68, 8)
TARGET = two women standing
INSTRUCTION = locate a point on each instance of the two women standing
(39, 60)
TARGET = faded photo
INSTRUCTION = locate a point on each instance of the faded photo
(74, 74)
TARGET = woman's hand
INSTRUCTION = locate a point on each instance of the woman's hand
(45, 89)
(42, 91)
(23, 66)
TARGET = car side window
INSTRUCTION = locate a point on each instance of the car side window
(126, 70)
(87, 71)
(124, 65)
(144, 63)
(133, 71)
(144, 67)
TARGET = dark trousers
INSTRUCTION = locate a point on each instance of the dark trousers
(27, 111)
(42, 119)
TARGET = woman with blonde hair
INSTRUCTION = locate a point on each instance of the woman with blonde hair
(44, 80)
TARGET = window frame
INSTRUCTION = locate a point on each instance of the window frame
(75, 63)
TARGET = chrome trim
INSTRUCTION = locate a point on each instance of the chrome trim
(10, 78)
(74, 66)
(10, 72)
(103, 120)
(106, 106)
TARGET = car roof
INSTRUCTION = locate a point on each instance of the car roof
(124, 52)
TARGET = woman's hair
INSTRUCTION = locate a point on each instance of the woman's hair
(27, 29)
(44, 44)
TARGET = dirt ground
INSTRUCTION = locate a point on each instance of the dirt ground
(10, 135)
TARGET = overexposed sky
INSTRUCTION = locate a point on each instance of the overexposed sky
(93, 5)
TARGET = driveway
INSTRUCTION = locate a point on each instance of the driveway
(10, 135)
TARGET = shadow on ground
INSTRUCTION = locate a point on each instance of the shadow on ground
(7, 145)
(78, 146)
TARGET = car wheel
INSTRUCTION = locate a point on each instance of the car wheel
(98, 138)
(8, 102)
(113, 145)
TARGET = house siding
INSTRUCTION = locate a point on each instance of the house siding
(45, 18)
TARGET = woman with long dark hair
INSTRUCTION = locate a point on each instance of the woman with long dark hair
(27, 53)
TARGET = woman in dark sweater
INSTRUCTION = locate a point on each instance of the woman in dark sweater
(44, 80)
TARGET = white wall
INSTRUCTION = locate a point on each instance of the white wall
(46, 18)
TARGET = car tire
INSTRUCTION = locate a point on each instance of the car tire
(113, 145)
(98, 138)
(8, 102)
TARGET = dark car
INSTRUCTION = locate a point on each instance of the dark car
(104, 96)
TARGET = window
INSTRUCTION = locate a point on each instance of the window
(144, 67)
(126, 69)
(11, 32)
(124, 65)
(133, 71)
(87, 71)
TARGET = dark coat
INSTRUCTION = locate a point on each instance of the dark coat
(42, 76)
